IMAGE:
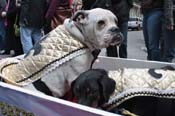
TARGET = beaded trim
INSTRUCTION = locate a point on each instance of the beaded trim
(131, 93)
(7, 66)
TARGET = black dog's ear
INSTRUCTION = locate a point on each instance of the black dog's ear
(107, 85)
(72, 89)
(80, 17)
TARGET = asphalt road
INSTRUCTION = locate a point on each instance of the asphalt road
(136, 46)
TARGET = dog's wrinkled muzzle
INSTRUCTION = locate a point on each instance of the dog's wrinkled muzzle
(117, 39)
(117, 36)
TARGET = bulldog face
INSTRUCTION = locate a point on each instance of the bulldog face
(97, 28)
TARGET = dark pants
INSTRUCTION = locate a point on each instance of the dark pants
(2, 34)
(9, 39)
(12, 42)
(169, 47)
(112, 50)
(152, 27)
(18, 46)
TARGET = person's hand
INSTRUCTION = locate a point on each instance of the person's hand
(170, 27)
(79, 6)
(3, 14)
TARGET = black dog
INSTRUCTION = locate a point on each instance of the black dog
(93, 87)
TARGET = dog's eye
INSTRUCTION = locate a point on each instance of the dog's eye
(92, 93)
(77, 89)
(116, 21)
(101, 23)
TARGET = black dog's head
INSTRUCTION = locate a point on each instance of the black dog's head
(93, 87)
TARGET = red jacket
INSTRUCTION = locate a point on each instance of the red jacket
(53, 4)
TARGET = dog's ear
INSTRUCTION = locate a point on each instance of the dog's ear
(107, 86)
(72, 88)
(80, 17)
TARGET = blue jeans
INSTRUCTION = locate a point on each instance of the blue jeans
(152, 29)
(29, 36)
(2, 34)
(169, 47)
(112, 50)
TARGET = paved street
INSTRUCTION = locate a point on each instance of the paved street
(135, 45)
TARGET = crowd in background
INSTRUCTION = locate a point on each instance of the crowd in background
(24, 22)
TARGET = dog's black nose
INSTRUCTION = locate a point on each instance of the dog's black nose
(114, 29)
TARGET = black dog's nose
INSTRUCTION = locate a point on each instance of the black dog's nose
(114, 29)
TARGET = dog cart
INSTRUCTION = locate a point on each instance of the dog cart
(16, 101)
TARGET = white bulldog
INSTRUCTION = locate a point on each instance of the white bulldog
(62, 55)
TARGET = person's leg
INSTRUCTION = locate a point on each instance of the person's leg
(1, 42)
(174, 37)
(154, 32)
(18, 46)
(145, 34)
(9, 39)
(111, 51)
(26, 39)
(123, 47)
(36, 35)
(2, 34)
(47, 27)
(169, 49)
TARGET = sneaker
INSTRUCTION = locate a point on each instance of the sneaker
(3, 52)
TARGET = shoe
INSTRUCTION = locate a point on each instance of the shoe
(3, 52)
